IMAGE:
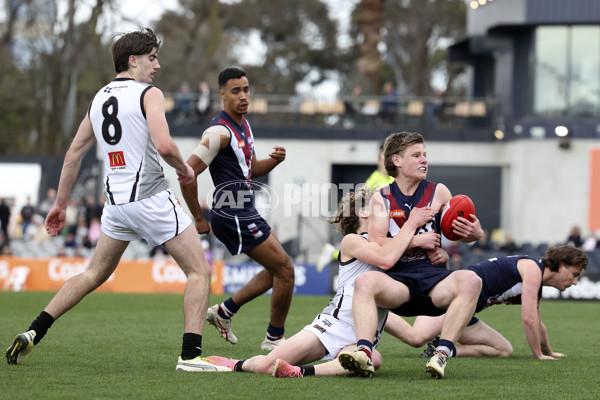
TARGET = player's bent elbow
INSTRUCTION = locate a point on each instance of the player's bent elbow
(166, 149)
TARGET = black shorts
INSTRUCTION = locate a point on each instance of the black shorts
(240, 233)
(419, 280)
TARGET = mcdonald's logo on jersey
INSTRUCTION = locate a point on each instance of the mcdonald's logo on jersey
(117, 159)
(397, 214)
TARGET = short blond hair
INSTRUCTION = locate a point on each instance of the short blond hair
(396, 143)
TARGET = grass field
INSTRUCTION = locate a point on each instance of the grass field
(126, 347)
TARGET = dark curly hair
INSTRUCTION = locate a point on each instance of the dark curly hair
(568, 255)
(346, 218)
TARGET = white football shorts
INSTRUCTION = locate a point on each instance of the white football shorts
(333, 333)
(156, 219)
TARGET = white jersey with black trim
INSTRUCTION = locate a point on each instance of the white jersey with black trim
(340, 305)
(131, 161)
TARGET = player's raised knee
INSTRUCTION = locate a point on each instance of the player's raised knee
(471, 282)
(364, 282)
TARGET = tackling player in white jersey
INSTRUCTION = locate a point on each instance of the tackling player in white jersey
(332, 331)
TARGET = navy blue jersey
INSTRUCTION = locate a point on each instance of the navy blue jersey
(231, 170)
(501, 281)
(399, 206)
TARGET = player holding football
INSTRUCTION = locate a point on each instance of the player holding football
(127, 119)
(227, 149)
(419, 284)
(506, 280)
(332, 330)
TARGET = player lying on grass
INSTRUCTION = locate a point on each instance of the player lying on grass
(333, 330)
(506, 280)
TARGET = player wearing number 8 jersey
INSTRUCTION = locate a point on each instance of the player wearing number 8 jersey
(132, 167)
(127, 117)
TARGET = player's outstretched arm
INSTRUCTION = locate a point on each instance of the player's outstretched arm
(530, 312)
(83, 141)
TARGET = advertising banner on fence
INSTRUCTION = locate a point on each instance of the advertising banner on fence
(159, 275)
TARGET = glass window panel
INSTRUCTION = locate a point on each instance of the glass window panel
(584, 87)
(551, 62)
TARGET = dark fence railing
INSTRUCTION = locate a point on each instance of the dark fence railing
(358, 117)
(363, 117)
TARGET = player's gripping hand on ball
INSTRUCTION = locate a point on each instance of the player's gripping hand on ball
(468, 230)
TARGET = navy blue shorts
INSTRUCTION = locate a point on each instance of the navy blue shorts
(419, 280)
(240, 233)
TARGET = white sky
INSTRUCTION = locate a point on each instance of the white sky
(138, 13)
(144, 12)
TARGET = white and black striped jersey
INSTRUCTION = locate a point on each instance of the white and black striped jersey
(131, 161)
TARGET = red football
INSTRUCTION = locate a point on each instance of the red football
(458, 206)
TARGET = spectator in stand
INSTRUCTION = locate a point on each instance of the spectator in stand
(590, 243)
(510, 246)
(184, 103)
(70, 247)
(4, 218)
(94, 231)
(39, 235)
(388, 106)
(31, 231)
(46, 205)
(203, 103)
(80, 231)
(82, 206)
(574, 238)
(93, 210)
(70, 241)
(353, 107)
(71, 218)
(27, 212)
(434, 108)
